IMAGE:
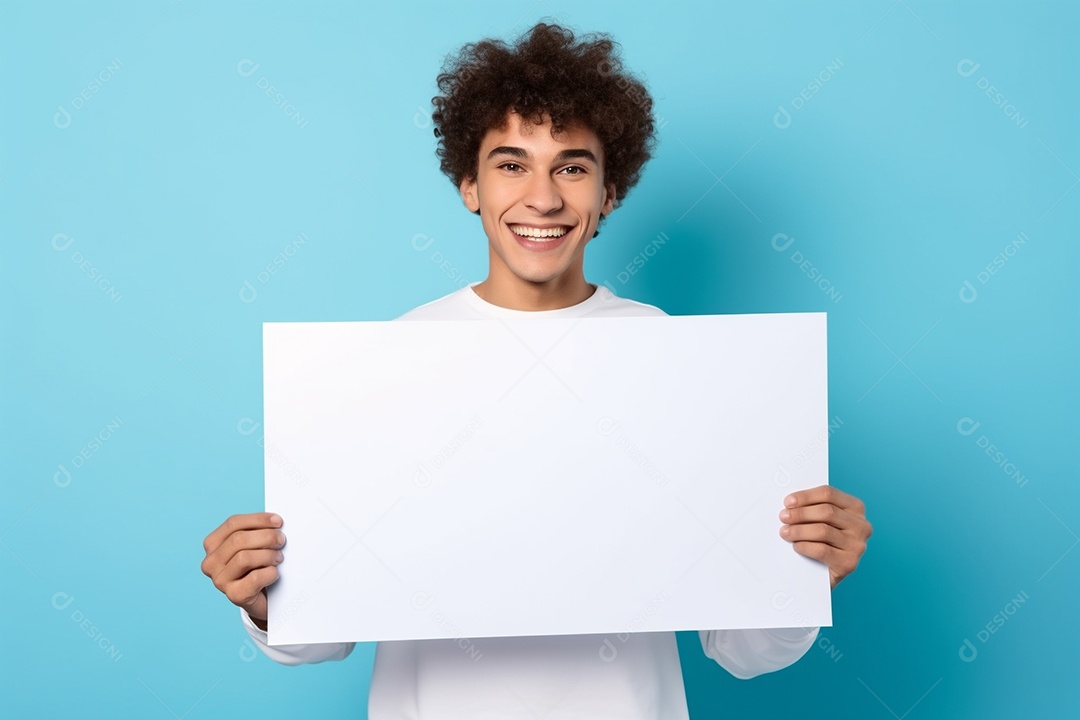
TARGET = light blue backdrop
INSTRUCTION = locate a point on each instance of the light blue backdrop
(908, 167)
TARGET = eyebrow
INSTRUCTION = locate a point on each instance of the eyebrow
(570, 154)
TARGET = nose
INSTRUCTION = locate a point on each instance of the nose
(542, 194)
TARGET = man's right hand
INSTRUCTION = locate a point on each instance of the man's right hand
(242, 556)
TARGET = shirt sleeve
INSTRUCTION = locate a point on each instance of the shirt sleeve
(295, 654)
(749, 653)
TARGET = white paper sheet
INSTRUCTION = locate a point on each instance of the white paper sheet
(449, 479)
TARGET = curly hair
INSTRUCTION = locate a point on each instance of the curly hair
(546, 72)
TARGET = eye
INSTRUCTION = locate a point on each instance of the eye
(509, 165)
(581, 170)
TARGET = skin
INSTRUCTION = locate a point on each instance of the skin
(534, 185)
(828, 525)
(242, 556)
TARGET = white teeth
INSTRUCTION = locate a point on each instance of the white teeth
(531, 232)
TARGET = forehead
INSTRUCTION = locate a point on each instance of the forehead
(537, 139)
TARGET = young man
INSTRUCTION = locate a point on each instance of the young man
(541, 141)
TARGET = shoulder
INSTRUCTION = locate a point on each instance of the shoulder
(611, 305)
(450, 306)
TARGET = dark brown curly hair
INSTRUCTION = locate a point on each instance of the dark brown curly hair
(546, 72)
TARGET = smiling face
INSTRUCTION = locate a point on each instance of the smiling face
(540, 200)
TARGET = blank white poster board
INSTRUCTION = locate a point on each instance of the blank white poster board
(446, 479)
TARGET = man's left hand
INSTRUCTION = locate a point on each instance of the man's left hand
(828, 525)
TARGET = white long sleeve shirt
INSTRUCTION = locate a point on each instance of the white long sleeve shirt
(629, 676)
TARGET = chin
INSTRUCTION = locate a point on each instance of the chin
(540, 277)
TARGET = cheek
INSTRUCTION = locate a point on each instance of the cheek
(591, 200)
(494, 203)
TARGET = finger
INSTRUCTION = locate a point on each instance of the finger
(249, 521)
(823, 513)
(850, 548)
(241, 540)
(244, 562)
(817, 533)
(824, 494)
(247, 591)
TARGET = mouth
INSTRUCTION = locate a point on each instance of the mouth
(540, 233)
(540, 238)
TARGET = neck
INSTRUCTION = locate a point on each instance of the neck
(517, 294)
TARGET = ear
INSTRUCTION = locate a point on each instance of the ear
(469, 194)
(609, 200)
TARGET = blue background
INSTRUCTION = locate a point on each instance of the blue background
(135, 210)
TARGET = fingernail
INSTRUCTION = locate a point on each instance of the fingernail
(275, 519)
(279, 557)
(789, 500)
(785, 531)
(785, 515)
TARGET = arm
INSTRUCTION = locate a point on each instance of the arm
(242, 556)
(295, 654)
(749, 653)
